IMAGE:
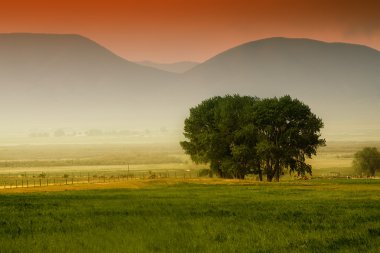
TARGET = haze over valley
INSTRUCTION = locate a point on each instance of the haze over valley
(52, 81)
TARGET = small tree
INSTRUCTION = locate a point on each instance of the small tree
(367, 161)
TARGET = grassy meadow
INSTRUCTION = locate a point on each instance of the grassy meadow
(180, 214)
(197, 216)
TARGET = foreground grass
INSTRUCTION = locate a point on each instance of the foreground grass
(321, 216)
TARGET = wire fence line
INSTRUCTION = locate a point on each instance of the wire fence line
(43, 179)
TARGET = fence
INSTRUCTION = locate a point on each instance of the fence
(42, 179)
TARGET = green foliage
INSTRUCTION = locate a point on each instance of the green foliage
(297, 217)
(243, 135)
(289, 133)
(219, 133)
(367, 161)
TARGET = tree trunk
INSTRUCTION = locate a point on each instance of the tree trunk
(269, 171)
(277, 171)
(372, 172)
(260, 171)
(277, 178)
(220, 173)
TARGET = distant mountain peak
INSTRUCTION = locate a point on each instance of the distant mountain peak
(29, 50)
(288, 49)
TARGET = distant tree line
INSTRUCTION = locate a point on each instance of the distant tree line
(240, 135)
(97, 132)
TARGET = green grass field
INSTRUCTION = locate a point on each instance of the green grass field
(174, 214)
(231, 216)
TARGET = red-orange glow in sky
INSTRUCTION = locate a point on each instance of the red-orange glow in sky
(176, 30)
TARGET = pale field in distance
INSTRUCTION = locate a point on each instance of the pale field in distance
(99, 159)
(336, 157)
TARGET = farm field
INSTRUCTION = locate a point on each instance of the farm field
(47, 164)
(64, 164)
(150, 198)
(208, 215)
(112, 157)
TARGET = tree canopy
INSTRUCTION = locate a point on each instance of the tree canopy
(240, 135)
(367, 161)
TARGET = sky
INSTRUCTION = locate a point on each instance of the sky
(193, 30)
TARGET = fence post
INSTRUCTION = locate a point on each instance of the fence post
(40, 182)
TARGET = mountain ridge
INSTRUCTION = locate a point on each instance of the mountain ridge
(69, 80)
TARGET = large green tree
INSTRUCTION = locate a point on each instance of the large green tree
(367, 161)
(216, 131)
(288, 134)
(245, 135)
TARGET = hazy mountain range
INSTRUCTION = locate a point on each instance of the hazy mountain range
(70, 81)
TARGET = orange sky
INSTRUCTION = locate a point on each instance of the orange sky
(175, 30)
